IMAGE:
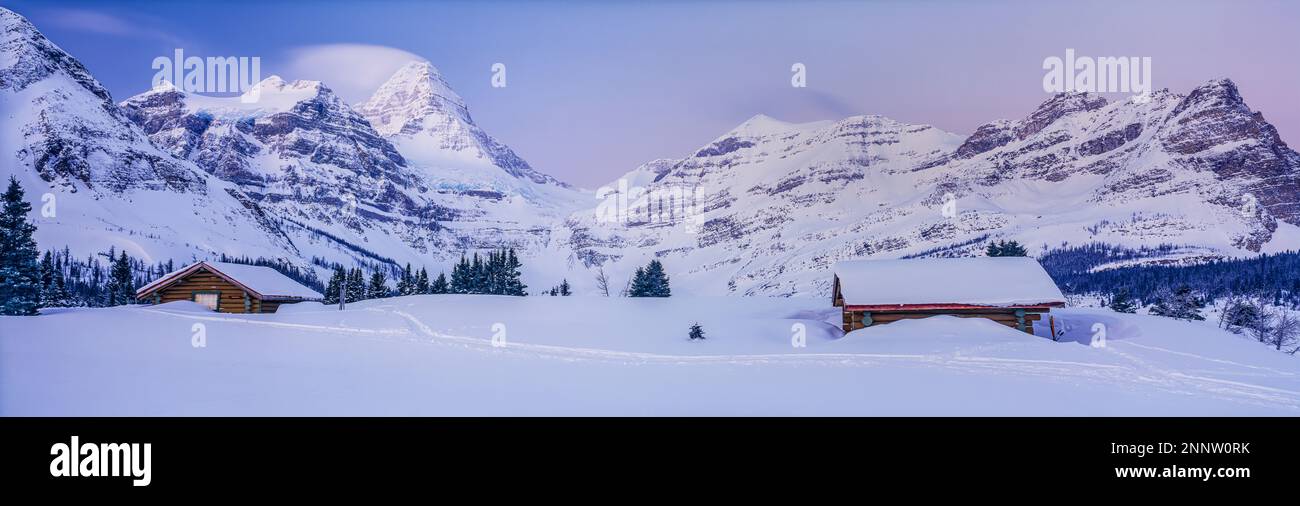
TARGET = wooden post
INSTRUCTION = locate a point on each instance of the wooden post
(1020, 319)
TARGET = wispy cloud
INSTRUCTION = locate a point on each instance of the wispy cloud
(353, 71)
(99, 22)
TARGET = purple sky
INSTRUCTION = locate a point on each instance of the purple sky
(595, 89)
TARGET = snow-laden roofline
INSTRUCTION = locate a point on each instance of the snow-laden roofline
(272, 285)
(946, 283)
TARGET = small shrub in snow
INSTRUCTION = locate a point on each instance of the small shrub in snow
(697, 332)
(1121, 302)
(1183, 304)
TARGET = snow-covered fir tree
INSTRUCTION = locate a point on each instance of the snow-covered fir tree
(439, 285)
(378, 287)
(406, 283)
(1122, 302)
(422, 282)
(356, 285)
(650, 281)
(1182, 303)
(20, 277)
(335, 286)
(121, 282)
(1005, 249)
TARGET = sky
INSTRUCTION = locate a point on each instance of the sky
(594, 89)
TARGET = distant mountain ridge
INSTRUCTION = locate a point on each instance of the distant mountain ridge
(784, 201)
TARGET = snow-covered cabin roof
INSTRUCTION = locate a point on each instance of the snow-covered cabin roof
(265, 282)
(984, 281)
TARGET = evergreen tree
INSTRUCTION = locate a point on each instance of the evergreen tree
(1121, 302)
(564, 288)
(406, 284)
(478, 276)
(61, 298)
(356, 285)
(121, 283)
(47, 280)
(651, 281)
(697, 332)
(1005, 249)
(439, 285)
(335, 286)
(378, 287)
(422, 282)
(460, 276)
(512, 282)
(1240, 314)
(20, 271)
(1182, 304)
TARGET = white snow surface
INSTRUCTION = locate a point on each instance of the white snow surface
(434, 355)
(985, 281)
(264, 280)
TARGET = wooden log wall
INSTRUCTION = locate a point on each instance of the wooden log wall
(854, 320)
(231, 300)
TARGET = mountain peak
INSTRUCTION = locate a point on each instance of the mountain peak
(1057, 107)
(413, 93)
(1215, 94)
(417, 107)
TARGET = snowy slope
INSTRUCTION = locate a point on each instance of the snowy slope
(433, 355)
(62, 135)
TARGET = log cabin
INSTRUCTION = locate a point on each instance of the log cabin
(1013, 291)
(227, 288)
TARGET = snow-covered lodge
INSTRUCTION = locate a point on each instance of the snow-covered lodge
(1013, 291)
(227, 288)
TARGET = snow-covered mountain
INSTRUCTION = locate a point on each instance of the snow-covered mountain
(418, 111)
(103, 181)
(780, 203)
(342, 187)
(766, 208)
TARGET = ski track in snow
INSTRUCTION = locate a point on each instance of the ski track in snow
(1174, 381)
(1138, 371)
